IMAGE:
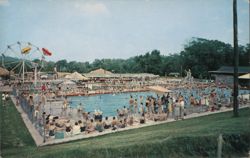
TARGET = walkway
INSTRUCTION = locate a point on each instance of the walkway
(34, 133)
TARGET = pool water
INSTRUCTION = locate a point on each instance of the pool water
(107, 103)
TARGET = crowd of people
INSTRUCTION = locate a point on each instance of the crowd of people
(157, 108)
(88, 124)
(139, 110)
(152, 108)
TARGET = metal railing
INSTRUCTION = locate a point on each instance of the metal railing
(36, 117)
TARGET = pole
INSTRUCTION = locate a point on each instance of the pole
(44, 136)
(23, 71)
(236, 60)
(35, 75)
(181, 70)
(219, 148)
(2, 122)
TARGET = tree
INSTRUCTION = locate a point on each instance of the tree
(172, 63)
(202, 55)
(61, 65)
(49, 66)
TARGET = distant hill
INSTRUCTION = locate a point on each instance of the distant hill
(8, 59)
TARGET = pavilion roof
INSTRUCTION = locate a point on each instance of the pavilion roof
(3, 72)
(230, 70)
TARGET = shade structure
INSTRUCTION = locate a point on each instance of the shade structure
(159, 89)
(68, 82)
(76, 76)
(246, 76)
(100, 71)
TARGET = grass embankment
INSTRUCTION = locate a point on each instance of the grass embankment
(189, 138)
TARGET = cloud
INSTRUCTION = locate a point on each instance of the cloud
(4, 2)
(92, 8)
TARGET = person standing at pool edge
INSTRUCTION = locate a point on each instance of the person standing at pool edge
(182, 104)
(131, 104)
(141, 99)
(65, 105)
(135, 106)
(31, 106)
(43, 101)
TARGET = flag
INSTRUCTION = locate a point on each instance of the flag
(46, 52)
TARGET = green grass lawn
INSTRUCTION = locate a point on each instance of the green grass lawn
(188, 138)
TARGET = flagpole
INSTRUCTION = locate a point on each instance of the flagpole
(236, 60)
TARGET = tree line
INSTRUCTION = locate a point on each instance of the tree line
(199, 55)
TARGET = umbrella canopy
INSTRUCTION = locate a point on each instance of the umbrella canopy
(246, 76)
(76, 76)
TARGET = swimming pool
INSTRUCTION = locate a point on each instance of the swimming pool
(107, 103)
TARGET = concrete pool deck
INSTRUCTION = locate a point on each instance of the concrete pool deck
(39, 139)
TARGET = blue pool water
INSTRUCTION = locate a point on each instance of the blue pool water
(107, 103)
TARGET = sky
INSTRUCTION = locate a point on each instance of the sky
(83, 30)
